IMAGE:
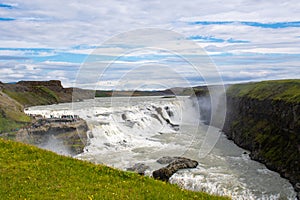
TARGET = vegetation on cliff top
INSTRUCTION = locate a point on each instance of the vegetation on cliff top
(285, 90)
(27, 172)
(39, 95)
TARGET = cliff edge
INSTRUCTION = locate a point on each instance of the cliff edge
(264, 118)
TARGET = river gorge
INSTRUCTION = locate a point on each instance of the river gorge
(124, 131)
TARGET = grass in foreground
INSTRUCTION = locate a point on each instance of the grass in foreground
(27, 172)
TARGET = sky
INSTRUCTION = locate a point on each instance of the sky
(149, 44)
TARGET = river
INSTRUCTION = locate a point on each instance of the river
(125, 131)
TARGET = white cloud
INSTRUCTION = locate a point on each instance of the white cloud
(63, 25)
(92, 23)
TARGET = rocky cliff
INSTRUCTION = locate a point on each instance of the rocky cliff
(265, 119)
(67, 136)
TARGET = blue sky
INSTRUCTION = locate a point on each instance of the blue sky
(246, 40)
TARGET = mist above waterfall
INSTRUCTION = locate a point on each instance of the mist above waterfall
(212, 105)
(56, 145)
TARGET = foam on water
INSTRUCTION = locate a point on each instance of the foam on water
(142, 129)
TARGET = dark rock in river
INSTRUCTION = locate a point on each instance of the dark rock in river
(139, 168)
(161, 114)
(167, 159)
(297, 188)
(178, 163)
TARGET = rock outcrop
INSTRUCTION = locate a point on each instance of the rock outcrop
(54, 85)
(70, 133)
(176, 164)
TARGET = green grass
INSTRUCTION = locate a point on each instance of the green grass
(7, 125)
(27, 98)
(47, 93)
(39, 97)
(12, 120)
(285, 90)
(27, 172)
(12, 116)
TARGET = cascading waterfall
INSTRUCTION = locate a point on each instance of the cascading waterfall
(126, 131)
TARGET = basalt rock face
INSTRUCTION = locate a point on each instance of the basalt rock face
(268, 127)
(54, 85)
(1, 85)
(176, 164)
(67, 133)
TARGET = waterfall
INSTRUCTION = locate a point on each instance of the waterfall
(125, 131)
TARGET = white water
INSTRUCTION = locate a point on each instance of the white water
(125, 131)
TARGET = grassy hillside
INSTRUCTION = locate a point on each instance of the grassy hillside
(39, 97)
(285, 90)
(27, 172)
(32, 95)
(11, 114)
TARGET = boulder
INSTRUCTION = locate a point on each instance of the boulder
(167, 159)
(297, 188)
(178, 163)
(139, 168)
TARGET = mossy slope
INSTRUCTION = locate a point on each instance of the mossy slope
(278, 90)
(12, 116)
(37, 92)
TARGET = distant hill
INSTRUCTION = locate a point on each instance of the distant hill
(31, 93)
(14, 97)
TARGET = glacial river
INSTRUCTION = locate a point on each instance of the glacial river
(125, 131)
